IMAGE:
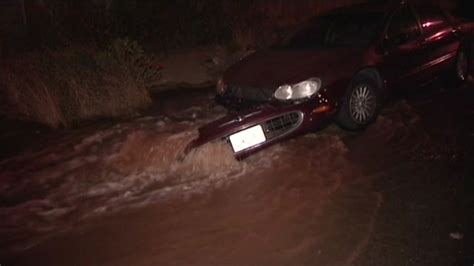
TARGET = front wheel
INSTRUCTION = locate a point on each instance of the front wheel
(360, 106)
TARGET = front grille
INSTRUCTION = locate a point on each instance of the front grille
(282, 125)
(249, 93)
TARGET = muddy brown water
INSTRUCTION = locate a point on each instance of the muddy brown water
(123, 194)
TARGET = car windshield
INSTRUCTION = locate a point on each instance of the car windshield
(336, 30)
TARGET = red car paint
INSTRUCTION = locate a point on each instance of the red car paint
(420, 59)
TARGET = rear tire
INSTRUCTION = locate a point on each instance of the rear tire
(361, 104)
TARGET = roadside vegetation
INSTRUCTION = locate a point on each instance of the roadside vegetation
(62, 88)
(75, 60)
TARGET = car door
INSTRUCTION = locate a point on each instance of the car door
(440, 39)
(404, 48)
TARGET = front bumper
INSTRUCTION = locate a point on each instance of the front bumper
(279, 123)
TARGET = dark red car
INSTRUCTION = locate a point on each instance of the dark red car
(336, 67)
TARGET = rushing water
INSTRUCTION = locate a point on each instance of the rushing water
(141, 162)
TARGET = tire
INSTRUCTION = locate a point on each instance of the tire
(460, 70)
(361, 104)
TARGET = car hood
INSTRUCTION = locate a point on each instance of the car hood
(272, 68)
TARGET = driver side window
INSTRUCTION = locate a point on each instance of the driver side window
(403, 27)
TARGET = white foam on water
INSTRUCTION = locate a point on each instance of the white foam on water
(130, 164)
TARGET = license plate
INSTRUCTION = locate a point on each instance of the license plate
(247, 138)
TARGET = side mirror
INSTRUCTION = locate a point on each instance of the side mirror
(401, 42)
(387, 45)
(391, 42)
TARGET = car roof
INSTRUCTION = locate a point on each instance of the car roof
(379, 6)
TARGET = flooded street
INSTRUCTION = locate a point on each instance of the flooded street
(399, 193)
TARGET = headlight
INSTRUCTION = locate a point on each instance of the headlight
(221, 87)
(298, 91)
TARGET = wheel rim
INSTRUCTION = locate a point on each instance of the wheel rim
(362, 104)
(461, 66)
